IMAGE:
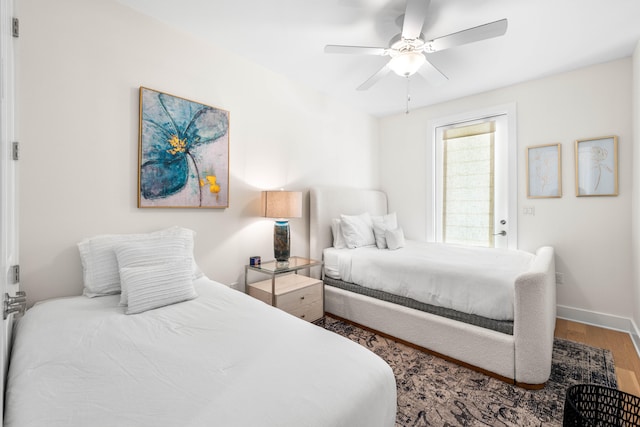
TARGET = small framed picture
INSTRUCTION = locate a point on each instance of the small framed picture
(544, 171)
(597, 166)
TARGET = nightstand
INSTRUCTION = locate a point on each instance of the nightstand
(294, 293)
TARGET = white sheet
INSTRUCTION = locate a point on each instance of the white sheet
(336, 260)
(223, 359)
(468, 279)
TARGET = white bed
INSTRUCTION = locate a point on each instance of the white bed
(222, 358)
(470, 280)
(523, 357)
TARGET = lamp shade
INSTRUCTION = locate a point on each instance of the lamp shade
(283, 204)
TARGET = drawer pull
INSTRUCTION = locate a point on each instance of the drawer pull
(303, 316)
(302, 297)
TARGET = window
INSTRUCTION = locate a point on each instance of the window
(468, 184)
(474, 190)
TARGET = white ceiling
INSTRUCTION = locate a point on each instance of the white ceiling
(544, 37)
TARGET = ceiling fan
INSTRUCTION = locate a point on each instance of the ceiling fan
(407, 49)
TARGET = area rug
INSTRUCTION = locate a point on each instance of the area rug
(434, 392)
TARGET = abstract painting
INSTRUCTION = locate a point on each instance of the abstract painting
(184, 153)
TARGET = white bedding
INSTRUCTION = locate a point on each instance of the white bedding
(471, 280)
(222, 359)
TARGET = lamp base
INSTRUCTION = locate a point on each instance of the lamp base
(281, 241)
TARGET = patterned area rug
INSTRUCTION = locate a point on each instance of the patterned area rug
(434, 392)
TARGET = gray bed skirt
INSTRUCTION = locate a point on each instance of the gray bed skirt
(503, 326)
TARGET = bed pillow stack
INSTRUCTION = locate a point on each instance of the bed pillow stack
(380, 225)
(394, 238)
(149, 270)
(356, 231)
(336, 230)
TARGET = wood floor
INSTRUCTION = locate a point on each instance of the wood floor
(626, 359)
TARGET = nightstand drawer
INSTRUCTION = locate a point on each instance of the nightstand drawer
(301, 297)
(305, 303)
(296, 294)
(309, 312)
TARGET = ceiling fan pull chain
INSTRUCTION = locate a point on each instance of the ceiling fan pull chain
(408, 95)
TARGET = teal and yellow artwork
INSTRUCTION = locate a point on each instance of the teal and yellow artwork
(184, 153)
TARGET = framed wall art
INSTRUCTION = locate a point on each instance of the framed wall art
(597, 166)
(544, 171)
(183, 153)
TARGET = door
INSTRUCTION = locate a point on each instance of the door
(474, 180)
(8, 185)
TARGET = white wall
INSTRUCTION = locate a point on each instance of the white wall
(79, 68)
(591, 235)
(80, 64)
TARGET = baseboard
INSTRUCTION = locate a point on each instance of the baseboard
(602, 320)
(635, 336)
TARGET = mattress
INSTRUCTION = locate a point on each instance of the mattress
(502, 326)
(476, 281)
(223, 358)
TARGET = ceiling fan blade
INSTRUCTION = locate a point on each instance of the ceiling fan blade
(363, 50)
(482, 32)
(414, 17)
(432, 74)
(375, 78)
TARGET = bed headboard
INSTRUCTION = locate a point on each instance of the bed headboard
(327, 203)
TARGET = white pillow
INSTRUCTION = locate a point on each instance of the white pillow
(357, 230)
(154, 286)
(338, 237)
(100, 266)
(380, 225)
(395, 238)
(153, 251)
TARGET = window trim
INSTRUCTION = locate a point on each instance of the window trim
(512, 158)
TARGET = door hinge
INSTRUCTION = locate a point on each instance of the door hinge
(15, 274)
(15, 27)
(15, 151)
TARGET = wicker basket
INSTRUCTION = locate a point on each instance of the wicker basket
(594, 405)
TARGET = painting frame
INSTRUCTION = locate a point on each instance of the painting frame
(596, 166)
(544, 171)
(183, 153)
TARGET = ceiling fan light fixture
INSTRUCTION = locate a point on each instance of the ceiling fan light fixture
(406, 64)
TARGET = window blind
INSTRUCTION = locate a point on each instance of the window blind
(468, 184)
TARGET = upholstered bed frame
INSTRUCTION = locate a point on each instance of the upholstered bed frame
(523, 358)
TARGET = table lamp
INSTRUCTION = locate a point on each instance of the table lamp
(282, 205)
